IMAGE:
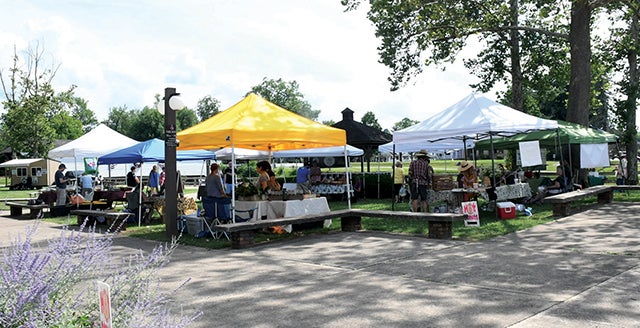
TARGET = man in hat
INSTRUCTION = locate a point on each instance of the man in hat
(420, 174)
(61, 185)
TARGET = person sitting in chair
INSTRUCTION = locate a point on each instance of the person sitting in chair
(557, 187)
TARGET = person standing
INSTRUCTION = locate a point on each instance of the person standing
(228, 178)
(302, 177)
(315, 174)
(469, 178)
(87, 184)
(398, 180)
(216, 200)
(419, 174)
(154, 181)
(163, 176)
(61, 185)
(132, 179)
(621, 171)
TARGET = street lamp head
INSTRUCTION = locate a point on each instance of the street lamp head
(175, 102)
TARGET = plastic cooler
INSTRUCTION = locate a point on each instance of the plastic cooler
(507, 210)
(194, 224)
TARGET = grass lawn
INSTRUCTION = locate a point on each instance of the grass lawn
(490, 226)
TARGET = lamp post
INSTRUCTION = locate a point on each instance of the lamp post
(171, 104)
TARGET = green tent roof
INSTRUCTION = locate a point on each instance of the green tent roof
(570, 133)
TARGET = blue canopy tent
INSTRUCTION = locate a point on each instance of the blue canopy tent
(150, 151)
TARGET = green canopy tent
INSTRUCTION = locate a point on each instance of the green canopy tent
(567, 134)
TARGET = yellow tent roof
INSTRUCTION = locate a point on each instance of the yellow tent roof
(256, 123)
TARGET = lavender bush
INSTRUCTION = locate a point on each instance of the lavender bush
(55, 285)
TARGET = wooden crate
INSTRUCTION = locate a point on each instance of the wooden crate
(443, 182)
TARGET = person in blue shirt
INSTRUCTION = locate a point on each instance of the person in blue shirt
(87, 184)
(302, 177)
(154, 181)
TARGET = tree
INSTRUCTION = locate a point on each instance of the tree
(404, 123)
(207, 107)
(285, 95)
(434, 32)
(81, 112)
(119, 119)
(622, 52)
(369, 119)
(186, 118)
(35, 115)
(146, 124)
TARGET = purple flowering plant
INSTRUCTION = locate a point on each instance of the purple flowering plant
(54, 285)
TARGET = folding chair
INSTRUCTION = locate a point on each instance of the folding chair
(211, 206)
(212, 214)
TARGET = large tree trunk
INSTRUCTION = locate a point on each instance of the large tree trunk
(516, 70)
(631, 107)
(580, 81)
(580, 43)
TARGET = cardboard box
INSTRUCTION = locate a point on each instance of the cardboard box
(507, 210)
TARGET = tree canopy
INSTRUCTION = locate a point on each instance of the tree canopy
(35, 114)
(286, 95)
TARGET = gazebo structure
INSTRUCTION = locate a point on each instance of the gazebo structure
(362, 136)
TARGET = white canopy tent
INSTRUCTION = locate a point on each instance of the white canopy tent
(337, 151)
(429, 146)
(473, 117)
(100, 141)
(243, 153)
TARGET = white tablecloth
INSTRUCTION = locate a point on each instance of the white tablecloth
(291, 208)
(272, 209)
(261, 208)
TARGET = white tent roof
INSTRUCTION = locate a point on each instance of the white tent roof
(100, 141)
(475, 116)
(336, 151)
(243, 153)
(429, 146)
(20, 162)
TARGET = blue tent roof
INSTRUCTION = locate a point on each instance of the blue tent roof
(151, 151)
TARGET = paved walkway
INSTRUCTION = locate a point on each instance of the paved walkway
(580, 271)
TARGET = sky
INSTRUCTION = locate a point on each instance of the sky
(124, 52)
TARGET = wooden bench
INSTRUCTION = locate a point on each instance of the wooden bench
(113, 219)
(35, 210)
(562, 202)
(625, 187)
(242, 234)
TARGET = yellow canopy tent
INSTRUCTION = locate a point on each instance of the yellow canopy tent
(255, 123)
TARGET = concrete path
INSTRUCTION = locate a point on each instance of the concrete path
(579, 271)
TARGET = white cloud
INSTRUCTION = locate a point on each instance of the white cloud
(124, 52)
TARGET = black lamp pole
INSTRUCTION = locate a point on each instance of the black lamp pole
(171, 179)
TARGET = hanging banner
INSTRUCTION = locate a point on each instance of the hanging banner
(530, 153)
(471, 210)
(594, 155)
(90, 165)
